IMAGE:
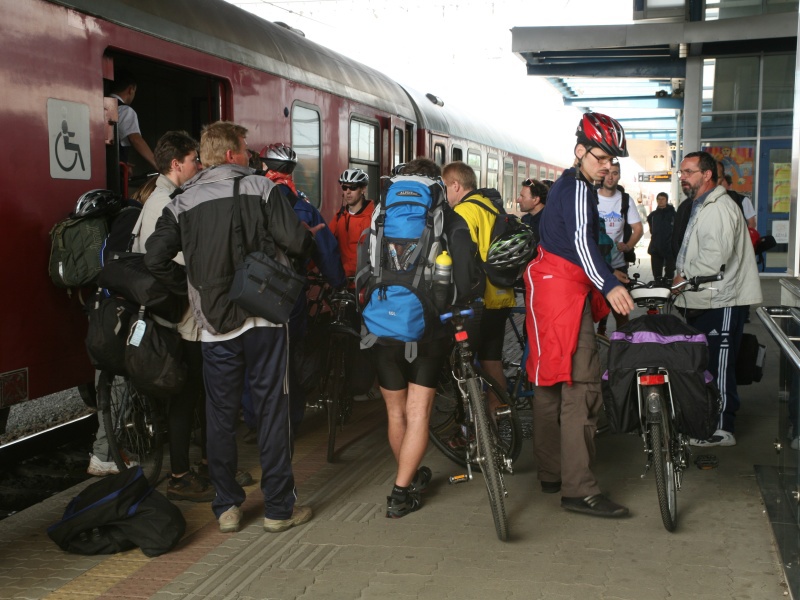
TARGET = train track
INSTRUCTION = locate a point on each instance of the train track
(37, 466)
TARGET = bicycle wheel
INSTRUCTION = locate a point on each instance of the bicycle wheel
(603, 346)
(489, 459)
(448, 428)
(513, 356)
(133, 423)
(333, 395)
(663, 467)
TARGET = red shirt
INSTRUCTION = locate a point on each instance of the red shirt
(347, 229)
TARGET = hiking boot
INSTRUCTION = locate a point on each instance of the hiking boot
(397, 508)
(192, 487)
(421, 480)
(243, 478)
(300, 515)
(551, 487)
(597, 505)
(719, 438)
(99, 468)
(229, 520)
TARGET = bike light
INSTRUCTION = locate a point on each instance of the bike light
(651, 379)
(461, 336)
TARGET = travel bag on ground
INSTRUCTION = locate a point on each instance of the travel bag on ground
(118, 513)
(668, 342)
(394, 274)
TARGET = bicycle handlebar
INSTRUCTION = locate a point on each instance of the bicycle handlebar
(695, 282)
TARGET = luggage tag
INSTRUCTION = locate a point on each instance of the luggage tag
(137, 331)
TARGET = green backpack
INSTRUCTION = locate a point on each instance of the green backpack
(75, 245)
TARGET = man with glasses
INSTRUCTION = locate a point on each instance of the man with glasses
(716, 235)
(353, 217)
(566, 285)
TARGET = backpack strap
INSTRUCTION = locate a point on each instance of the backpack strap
(379, 222)
(624, 206)
(482, 205)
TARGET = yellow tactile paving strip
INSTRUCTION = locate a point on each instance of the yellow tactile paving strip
(131, 574)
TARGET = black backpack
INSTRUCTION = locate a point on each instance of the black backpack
(118, 513)
(505, 225)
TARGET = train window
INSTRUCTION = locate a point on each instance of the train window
(438, 154)
(508, 182)
(532, 172)
(521, 170)
(306, 136)
(399, 147)
(552, 174)
(542, 173)
(458, 154)
(364, 152)
(410, 141)
(492, 168)
(474, 161)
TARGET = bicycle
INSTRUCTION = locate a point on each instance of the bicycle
(667, 449)
(333, 396)
(134, 424)
(483, 446)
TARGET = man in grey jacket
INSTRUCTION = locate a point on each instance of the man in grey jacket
(200, 223)
(717, 235)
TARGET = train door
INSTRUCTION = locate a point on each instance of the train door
(167, 98)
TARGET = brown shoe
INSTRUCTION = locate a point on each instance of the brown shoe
(300, 515)
(192, 487)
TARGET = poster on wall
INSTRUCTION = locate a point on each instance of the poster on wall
(781, 187)
(780, 231)
(738, 161)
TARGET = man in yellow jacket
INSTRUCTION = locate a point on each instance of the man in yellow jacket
(469, 232)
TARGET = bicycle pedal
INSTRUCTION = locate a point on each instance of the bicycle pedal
(502, 411)
(459, 478)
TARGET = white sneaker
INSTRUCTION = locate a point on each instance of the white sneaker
(719, 438)
(229, 520)
(99, 468)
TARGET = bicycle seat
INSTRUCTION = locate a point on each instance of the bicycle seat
(655, 293)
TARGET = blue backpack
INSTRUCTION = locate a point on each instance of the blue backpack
(396, 260)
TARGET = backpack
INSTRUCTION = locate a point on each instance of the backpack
(505, 228)
(75, 245)
(120, 232)
(396, 255)
(630, 255)
(118, 513)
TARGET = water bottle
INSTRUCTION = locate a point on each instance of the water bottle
(442, 284)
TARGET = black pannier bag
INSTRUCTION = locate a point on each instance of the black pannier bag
(750, 360)
(107, 334)
(662, 341)
(118, 513)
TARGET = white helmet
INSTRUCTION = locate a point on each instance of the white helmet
(279, 158)
(354, 177)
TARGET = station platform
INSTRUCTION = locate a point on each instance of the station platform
(723, 547)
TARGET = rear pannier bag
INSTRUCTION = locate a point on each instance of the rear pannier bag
(662, 341)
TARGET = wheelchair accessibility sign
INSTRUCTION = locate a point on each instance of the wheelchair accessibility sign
(68, 136)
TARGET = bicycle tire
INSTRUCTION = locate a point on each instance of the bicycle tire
(488, 459)
(334, 390)
(448, 430)
(513, 367)
(133, 423)
(663, 467)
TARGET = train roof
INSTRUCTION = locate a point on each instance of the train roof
(443, 118)
(224, 30)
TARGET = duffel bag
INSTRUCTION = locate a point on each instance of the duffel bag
(126, 274)
(154, 357)
(107, 334)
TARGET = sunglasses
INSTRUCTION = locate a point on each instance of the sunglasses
(350, 187)
(527, 183)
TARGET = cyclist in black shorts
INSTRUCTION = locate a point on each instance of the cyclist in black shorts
(408, 388)
(469, 232)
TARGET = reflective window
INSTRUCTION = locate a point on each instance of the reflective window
(521, 170)
(458, 153)
(778, 86)
(306, 135)
(398, 155)
(730, 83)
(364, 152)
(438, 154)
(474, 161)
(729, 125)
(492, 172)
(508, 183)
(542, 172)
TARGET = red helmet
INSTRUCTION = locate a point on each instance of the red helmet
(600, 130)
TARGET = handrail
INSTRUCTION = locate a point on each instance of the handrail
(767, 314)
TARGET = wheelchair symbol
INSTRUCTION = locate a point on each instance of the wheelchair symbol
(67, 136)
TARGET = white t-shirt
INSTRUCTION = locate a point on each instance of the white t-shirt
(610, 209)
(748, 209)
(128, 122)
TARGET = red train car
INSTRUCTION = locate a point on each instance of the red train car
(196, 61)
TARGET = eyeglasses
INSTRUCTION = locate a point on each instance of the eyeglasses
(605, 160)
(687, 172)
(350, 187)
